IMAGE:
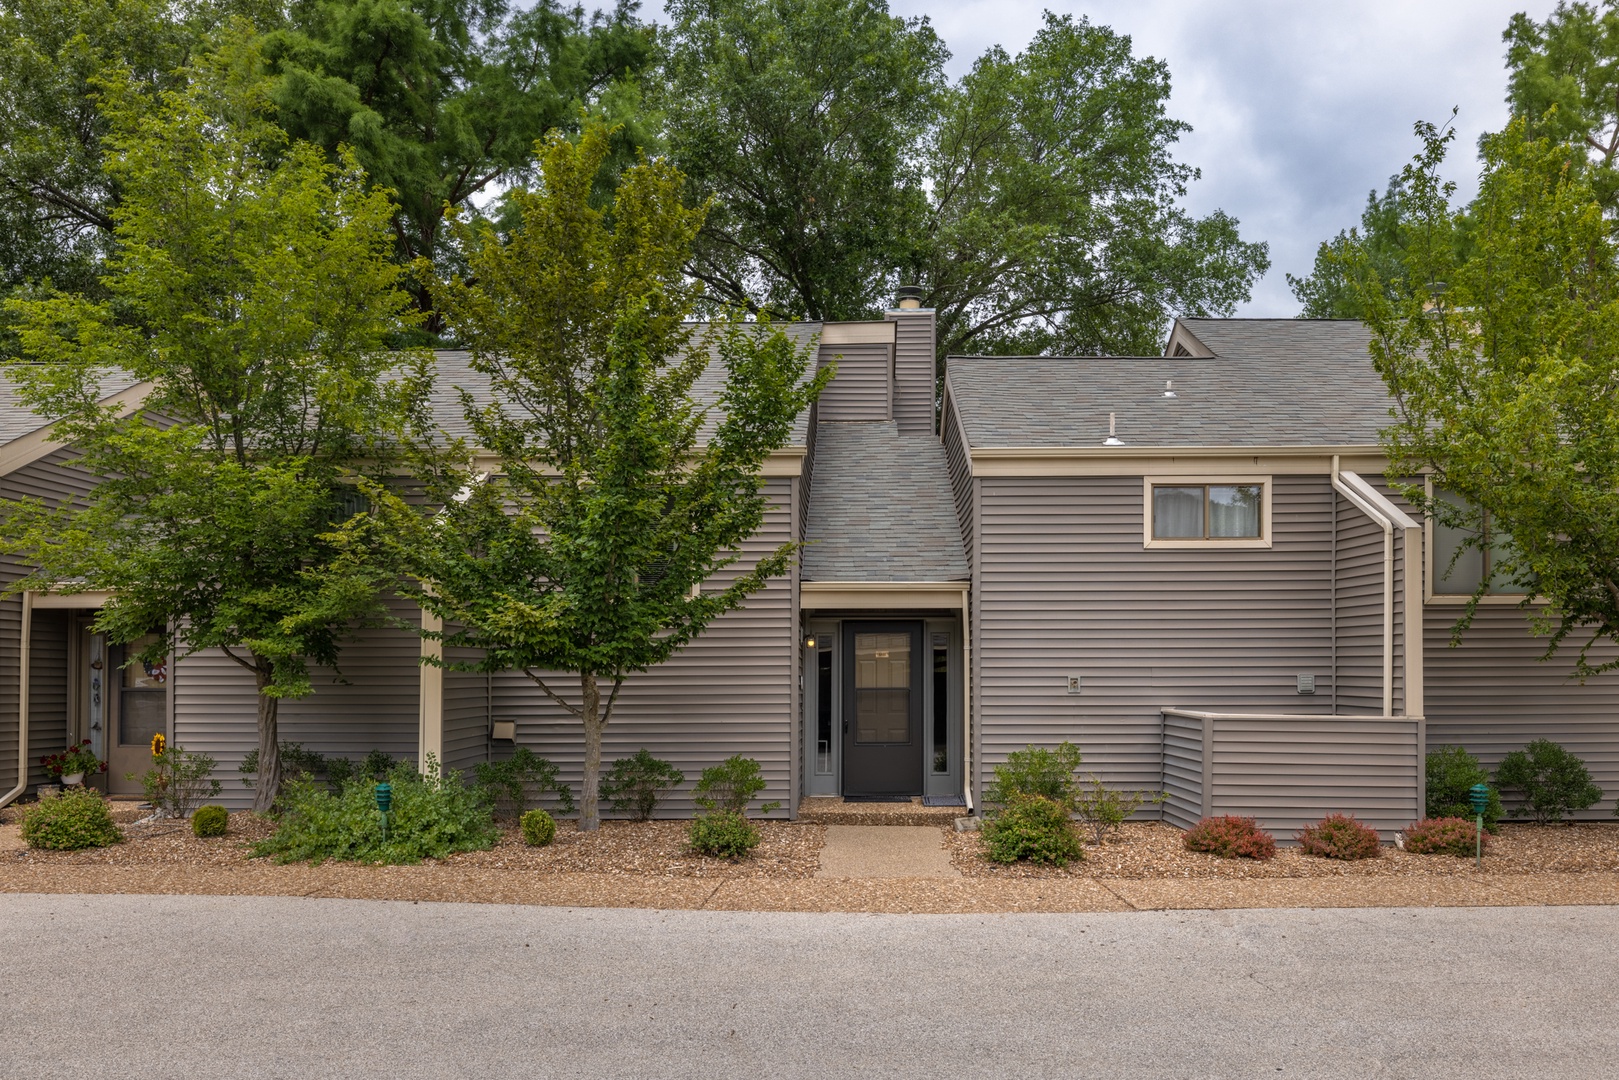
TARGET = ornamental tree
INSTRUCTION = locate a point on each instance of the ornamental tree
(615, 491)
(1503, 364)
(252, 296)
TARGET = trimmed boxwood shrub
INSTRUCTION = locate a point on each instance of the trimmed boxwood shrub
(210, 820)
(76, 819)
(1231, 838)
(1443, 836)
(1452, 772)
(1033, 828)
(539, 828)
(1553, 780)
(723, 833)
(1340, 836)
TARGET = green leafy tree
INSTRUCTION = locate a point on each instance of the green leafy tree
(801, 121)
(1502, 364)
(1035, 201)
(261, 290)
(617, 490)
(1563, 79)
(439, 99)
(1326, 292)
(1053, 221)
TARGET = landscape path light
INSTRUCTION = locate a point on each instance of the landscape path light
(1479, 796)
(385, 802)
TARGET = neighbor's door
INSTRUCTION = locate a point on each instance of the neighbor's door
(882, 710)
(139, 708)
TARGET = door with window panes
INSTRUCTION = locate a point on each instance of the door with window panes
(139, 709)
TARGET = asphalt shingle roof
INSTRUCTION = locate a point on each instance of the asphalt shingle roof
(880, 508)
(1272, 382)
(454, 372)
(17, 419)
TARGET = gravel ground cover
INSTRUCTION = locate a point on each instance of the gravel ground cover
(1153, 851)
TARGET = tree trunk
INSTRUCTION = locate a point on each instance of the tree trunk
(591, 701)
(268, 786)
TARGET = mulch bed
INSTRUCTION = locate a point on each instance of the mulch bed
(1153, 850)
(652, 848)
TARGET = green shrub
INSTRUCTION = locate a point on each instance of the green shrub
(1444, 836)
(1230, 837)
(1452, 772)
(633, 784)
(1553, 781)
(178, 780)
(377, 764)
(296, 762)
(211, 820)
(731, 785)
(511, 780)
(433, 816)
(1340, 836)
(1104, 810)
(1033, 828)
(725, 833)
(339, 771)
(76, 819)
(1036, 771)
(539, 828)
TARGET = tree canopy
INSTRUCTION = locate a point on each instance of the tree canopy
(253, 292)
(1504, 370)
(608, 532)
(1035, 201)
(1563, 80)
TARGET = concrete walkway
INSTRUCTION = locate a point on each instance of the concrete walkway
(228, 987)
(885, 851)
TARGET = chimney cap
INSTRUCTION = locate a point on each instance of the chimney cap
(909, 297)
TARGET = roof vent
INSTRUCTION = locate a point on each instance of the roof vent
(1112, 432)
(909, 297)
(1169, 388)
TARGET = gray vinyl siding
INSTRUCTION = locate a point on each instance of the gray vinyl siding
(806, 484)
(728, 692)
(1493, 694)
(374, 707)
(1065, 586)
(1287, 772)
(52, 480)
(1358, 600)
(913, 371)
(961, 476)
(862, 388)
(466, 714)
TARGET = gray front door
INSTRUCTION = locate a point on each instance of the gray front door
(882, 708)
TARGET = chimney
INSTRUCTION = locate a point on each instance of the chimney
(910, 297)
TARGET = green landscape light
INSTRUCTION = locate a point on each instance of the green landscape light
(1479, 796)
(385, 802)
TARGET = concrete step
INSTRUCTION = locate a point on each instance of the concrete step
(825, 810)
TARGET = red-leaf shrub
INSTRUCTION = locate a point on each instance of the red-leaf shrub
(1340, 836)
(1231, 838)
(1443, 836)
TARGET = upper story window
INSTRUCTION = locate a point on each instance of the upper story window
(1458, 567)
(1182, 513)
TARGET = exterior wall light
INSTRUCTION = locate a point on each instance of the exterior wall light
(809, 642)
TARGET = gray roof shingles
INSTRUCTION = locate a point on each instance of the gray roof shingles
(880, 508)
(17, 419)
(1272, 382)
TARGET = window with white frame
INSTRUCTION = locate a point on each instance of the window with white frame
(1458, 566)
(1185, 512)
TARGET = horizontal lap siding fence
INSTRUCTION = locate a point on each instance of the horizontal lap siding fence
(1288, 771)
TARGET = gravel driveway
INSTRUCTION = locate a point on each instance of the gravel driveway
(264, 986)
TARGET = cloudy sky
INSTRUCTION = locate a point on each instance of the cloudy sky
(1297, 109)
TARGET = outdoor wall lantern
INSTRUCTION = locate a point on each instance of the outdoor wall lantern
(1479, 796)
(809, 642)
(385, 802)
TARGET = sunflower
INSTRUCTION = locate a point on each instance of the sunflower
(158, 743)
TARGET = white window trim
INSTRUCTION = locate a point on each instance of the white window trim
(1263, 540)
(1430, 542)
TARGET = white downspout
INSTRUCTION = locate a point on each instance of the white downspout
(967, 703)
(24, 649)
(1388, 583)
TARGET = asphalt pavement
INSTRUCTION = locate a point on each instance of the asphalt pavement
(198, 986)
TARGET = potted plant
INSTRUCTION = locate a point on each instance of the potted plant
(71, 764)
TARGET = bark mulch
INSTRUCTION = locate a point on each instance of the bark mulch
(1153, 851)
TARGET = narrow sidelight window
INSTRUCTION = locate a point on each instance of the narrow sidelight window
(823, 712)
(941, 704)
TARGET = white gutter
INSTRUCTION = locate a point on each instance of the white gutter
(26, 647)
(1372, 511)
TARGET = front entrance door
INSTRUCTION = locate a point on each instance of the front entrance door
(882, 708)
(140, 709)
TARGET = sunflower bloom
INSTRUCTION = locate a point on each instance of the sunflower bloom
(158, 743)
